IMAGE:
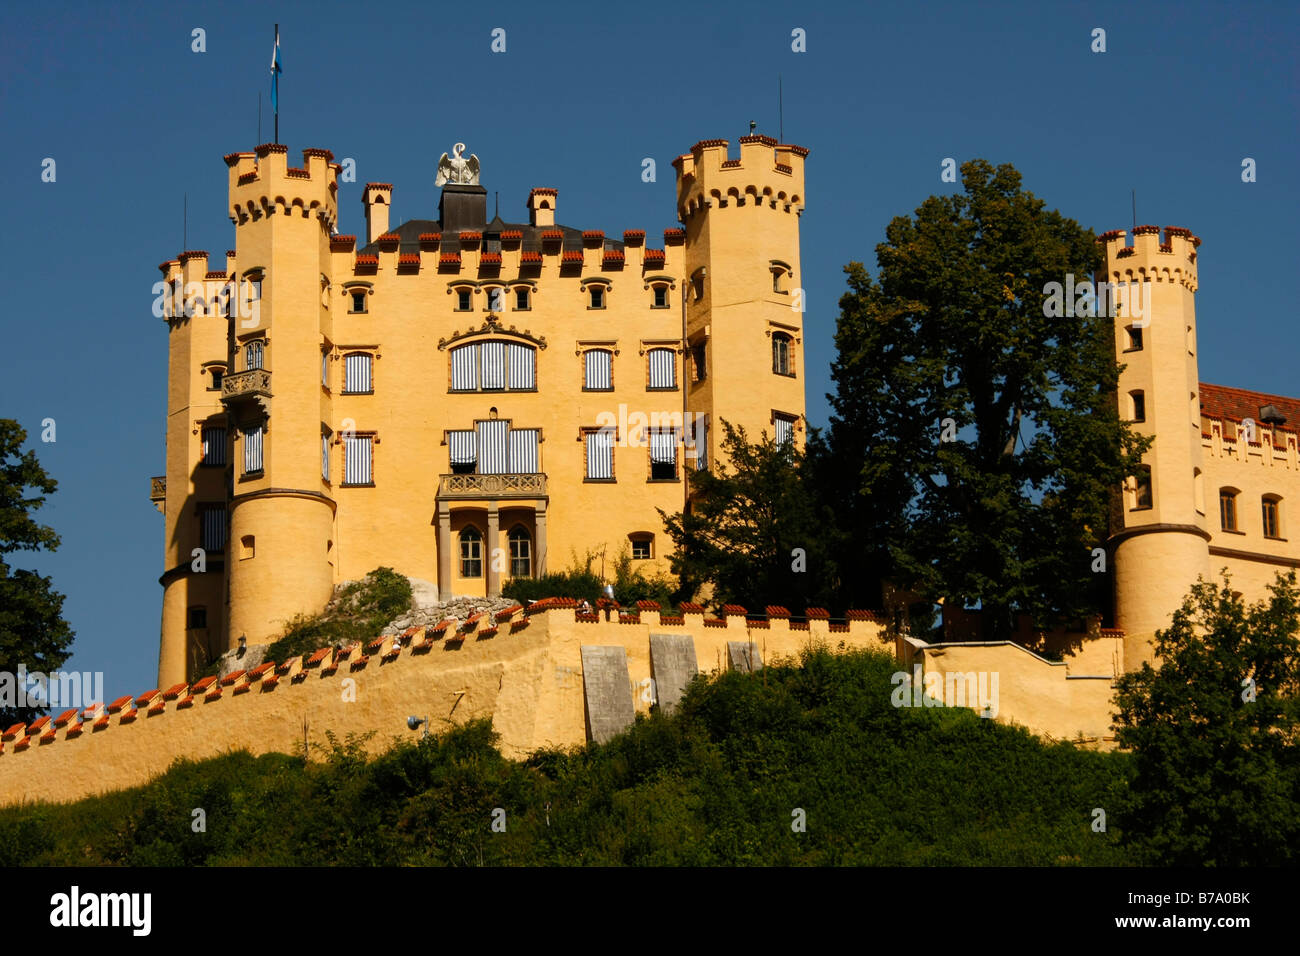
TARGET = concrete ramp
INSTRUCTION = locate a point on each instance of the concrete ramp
(672, 663)
(743, 656)
(608, 691)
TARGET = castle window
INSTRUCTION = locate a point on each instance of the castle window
(1272, 508)
(358, 302)
(1139, 400)
(698, 442)
(521, 300)
(471, 553)
(521, 552)
(663, 455)
(325, 456)
(493, 366)
(599, 450)
(698, 368)
(1134, 339)
(661, 296)
(1228, 509)
(254, 355)
(247, 547)
(253, 450)
(784, 426)
(782, 354)
(522, 449)
(462, 448)
(358, 460)
(697, 284)
(214, 446)
(598, 371)
(597, 297)
(357, 369)
(197, 618)
(216, 371)
(496, 300)
(662, 369)
(1198, 490)
(212, 527)
(463, 300)
(642, 545)
(1142, 488)
(324, 370)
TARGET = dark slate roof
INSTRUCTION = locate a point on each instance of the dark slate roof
(410, 231)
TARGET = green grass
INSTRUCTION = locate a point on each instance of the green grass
(715, 784)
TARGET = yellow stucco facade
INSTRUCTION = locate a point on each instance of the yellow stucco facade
(462, 400)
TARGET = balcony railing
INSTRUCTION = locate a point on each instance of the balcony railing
(492, 486)
(253, 385)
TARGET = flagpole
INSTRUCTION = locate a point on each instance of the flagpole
(275, 80)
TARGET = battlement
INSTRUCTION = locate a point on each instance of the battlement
(767, 173)
(1150, 260)
(262, 183)
(490, 668)
(1233, 426)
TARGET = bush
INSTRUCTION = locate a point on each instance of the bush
(582, 583)
(359, 612)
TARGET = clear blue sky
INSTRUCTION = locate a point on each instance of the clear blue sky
(135, 120)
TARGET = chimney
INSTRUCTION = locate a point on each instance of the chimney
(378, 197)
(541, 206)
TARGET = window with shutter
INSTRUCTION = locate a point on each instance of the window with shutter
(784, 429)
(523, 451)
(493, 457)
(523, 366)
(663, 455)
(253, 450)
(212, 519)
(325, 457)
(663, 369)
(494, 365)
(463, 447)
(358, 452)
(464, 368)
(600, 455)
(357, 369)
(598, 371)
(214, 446)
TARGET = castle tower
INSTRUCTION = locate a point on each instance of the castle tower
(744, 301)
(275, 392)
(1161, 543)
(192, 493)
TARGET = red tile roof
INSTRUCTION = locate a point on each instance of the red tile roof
(530, 257)
(571, 255)
(1222, 401)
(119, 704)
(512, 235)
(64, 717)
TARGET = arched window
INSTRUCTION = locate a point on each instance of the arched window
(253, 355)
(471, 552)
(1272, 508)
(1228, 509)
(782, 354)
(521, 552)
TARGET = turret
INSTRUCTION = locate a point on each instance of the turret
(281, 504)
(378, 199)
(1162, 525)
(744, 296)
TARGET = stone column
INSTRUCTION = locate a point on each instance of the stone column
(493, 542)
(444, 554)
(539, 566)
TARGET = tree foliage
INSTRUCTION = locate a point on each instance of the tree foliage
(32, 629)
(756, 530)
(987, 433)
(1215, 732)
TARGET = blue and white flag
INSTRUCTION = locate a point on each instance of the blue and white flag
(275, 72)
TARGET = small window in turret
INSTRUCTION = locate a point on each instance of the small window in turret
(1134, 339)
(358, 302)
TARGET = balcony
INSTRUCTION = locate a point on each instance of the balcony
(492, 486)
(246, 389)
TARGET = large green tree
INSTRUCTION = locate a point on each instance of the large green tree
(32, 630)
(1215, 733)
(984, 435)
(755, 529)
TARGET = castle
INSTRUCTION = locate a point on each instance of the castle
(461, 399)
(280, 484)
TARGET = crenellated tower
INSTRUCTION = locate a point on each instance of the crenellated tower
(261, 510)
(743, 285)
(1161, 543)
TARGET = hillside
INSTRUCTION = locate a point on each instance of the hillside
(718, 783)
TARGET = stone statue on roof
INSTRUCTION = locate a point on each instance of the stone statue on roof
(457, 170)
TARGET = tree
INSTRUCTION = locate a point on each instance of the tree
(988, 433)
(1215, 732)
(32, 630)
(754, 529)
